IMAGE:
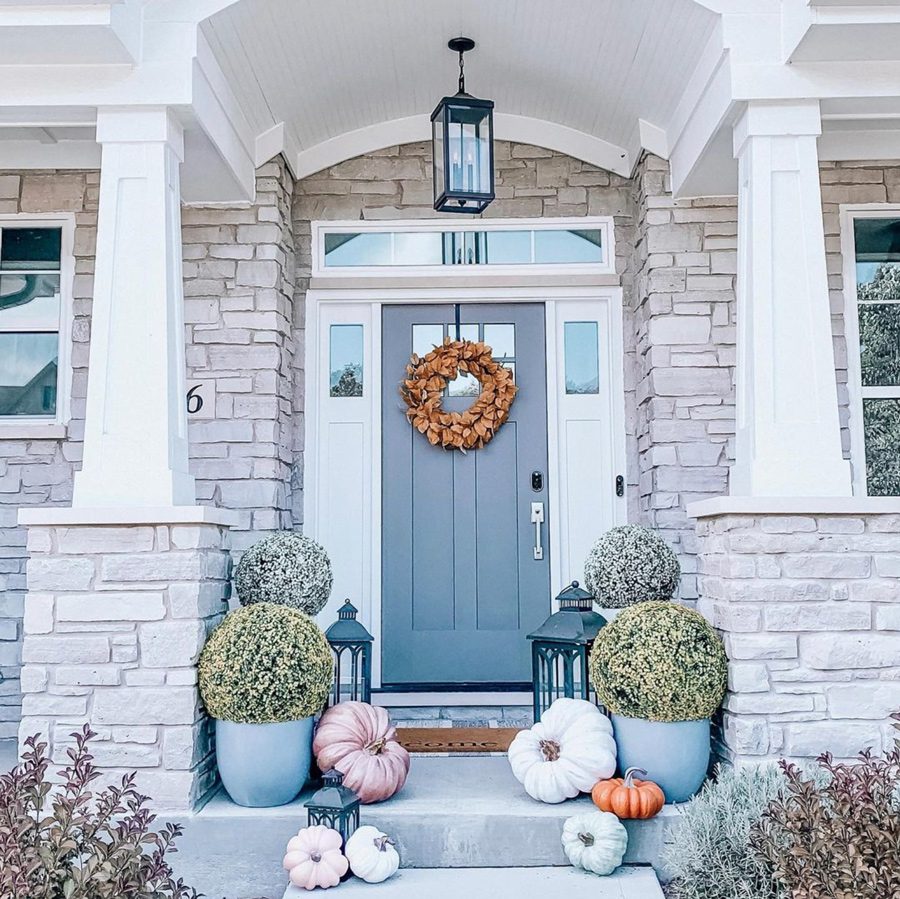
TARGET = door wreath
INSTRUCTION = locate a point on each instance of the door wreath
(424, 385)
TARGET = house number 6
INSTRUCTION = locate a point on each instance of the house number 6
(194, 400)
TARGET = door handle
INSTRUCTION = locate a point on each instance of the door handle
(537, 519)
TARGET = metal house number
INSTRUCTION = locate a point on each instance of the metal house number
(200, 400)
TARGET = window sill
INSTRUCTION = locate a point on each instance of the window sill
(32, 430)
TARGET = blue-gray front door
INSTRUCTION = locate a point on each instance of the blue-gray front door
(461, 584)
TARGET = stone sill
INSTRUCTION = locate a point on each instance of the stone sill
(32, 430)
(65, 516)
(795, 505)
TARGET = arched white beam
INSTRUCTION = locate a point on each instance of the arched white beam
(410, 129)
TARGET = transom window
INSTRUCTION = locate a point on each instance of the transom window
(366, 248)
(877, 283)
(30, 276)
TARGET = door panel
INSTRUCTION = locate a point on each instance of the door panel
(460, 585)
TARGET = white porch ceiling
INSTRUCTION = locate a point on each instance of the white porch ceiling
(327, 69)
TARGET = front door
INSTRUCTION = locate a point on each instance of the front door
(462, 582)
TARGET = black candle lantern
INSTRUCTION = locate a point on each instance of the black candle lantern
(462, 130)
(351, 644)
(560, 649)
(334, 805)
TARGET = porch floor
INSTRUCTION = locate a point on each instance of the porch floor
(507, 883)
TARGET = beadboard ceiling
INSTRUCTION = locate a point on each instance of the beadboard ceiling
(329, 67)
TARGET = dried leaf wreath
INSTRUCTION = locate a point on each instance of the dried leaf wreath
(423, 388)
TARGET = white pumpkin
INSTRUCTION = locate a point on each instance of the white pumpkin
(372, 855)
(565, 753)
(595, 842)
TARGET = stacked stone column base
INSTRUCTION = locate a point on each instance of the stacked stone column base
(808, 603)
(116, 615)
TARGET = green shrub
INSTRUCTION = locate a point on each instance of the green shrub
(660, 661)
(835, 835)
(265, 663)
(288, 569)
(710, 854)
(631, 564)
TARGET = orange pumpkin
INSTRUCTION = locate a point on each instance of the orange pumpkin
(627, 797)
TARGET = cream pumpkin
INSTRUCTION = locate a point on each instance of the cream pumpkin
(565, 753)
(595, 842)
(372, 855)
(314, 858)
(359, 741)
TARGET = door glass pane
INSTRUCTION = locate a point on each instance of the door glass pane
(30, 248)
(466, 332)
(426, 337)
(31, 299)
(568, 246)
(502, 340)
(877, 258)
(357, 249)
(882, 436)
(346, 360)
(879, 344)
(582, 357)
(464, 384)
(28, 365)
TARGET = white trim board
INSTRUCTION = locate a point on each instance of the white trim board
(342, 459)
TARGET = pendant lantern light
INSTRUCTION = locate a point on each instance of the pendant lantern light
(462, 128)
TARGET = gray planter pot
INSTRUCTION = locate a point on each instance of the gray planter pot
(262, 765)
(675, 754)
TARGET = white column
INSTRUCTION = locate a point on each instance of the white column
(135, 441)
(788, 431)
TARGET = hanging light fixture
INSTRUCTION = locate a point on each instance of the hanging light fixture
(462, 129)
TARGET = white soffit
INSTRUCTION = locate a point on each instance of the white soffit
(350, 76)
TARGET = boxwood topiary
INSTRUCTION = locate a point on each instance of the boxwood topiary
(630, 564)
(265, 663)
(285, 568)
(660, 661)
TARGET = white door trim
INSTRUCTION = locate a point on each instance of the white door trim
(344, 512)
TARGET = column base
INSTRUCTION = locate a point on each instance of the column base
(118, 607)
(806, 594)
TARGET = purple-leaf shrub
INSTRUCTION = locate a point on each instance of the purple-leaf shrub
(77, 843)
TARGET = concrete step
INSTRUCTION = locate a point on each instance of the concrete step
(457, 812)
(504, 883)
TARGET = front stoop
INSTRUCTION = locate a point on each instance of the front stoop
(457, 812)
(506, 883)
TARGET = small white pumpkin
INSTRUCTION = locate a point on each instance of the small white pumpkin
(314, 858)
(372, 855)
(595, 842)
(565, 753)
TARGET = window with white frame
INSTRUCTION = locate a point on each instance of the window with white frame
(31, 262)
(876, 248)
(356, 248)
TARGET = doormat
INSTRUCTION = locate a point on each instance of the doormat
(456, 739)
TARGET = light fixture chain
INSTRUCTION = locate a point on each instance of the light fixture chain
(462, 72)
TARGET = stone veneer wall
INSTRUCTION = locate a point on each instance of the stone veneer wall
(238, 286)
(38, 471)
(846, 183)
(114, 623)
(685, 314)
(531, 182)
(809, 606)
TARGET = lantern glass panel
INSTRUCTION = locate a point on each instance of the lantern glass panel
(437, 136)
(469, 137)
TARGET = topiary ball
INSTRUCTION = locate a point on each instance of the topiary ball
(264, 664)
(630, 564)
(288, 569)
(659, 661)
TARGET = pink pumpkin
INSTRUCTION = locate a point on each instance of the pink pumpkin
(314, 858)
(359, 740)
